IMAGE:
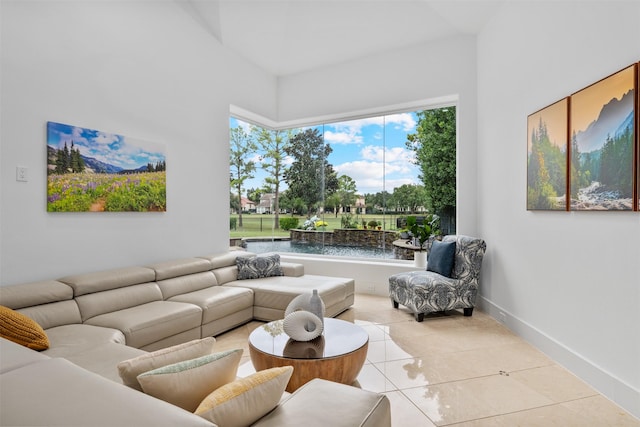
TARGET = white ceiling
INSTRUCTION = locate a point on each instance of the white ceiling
(290, 36)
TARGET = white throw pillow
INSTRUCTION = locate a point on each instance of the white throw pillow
(185, 384)
(130, 369)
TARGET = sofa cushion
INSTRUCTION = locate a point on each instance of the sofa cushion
(186, 384)
(226, 259)
(244, 401)
(217, 302)
(103, 359)
(54, 314)
(131, 368)
(67, 340)
(188, 283)
(147, 323)
(36, 293)
(180, 267)
(258, 267)
(22, 330)
(109, 279)
(98, 303)
(441, 258)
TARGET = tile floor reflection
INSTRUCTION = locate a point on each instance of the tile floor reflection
(452, 370)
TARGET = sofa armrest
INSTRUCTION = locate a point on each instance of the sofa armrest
(292, 269)
(334, 404)
(57, 392)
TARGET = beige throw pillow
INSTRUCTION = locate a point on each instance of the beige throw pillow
(185, 384)
(244, 401)
(130, 369)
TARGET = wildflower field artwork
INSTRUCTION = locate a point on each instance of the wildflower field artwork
(95, 171)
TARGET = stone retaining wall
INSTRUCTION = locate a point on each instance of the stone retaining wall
(346, 237)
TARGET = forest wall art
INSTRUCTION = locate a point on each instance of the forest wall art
(583, 151)
(547, 154)
(94, 171)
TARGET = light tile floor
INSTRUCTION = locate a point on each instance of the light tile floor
(452, 370)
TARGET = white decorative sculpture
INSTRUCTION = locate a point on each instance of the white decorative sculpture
(304, 317)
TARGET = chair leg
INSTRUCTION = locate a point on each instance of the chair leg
(468, 311)
(394, 303)
(419, 317)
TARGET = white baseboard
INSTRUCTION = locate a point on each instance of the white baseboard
(621, 393)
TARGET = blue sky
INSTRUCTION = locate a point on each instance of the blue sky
(117, 150)
(371, 151)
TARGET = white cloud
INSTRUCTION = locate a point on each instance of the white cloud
(103, 138)
(342, 137)
(403, 120)
(390, 155)
(138, 145)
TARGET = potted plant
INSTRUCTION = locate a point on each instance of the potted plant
(421, 233)
(373, 224)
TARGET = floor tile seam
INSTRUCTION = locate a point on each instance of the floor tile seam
(471, 378)
(386, 379)
(531, 368)
(417, 407)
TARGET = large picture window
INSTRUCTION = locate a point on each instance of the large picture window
(341, 188)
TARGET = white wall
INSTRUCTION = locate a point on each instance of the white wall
(568, 282)
(139, 69)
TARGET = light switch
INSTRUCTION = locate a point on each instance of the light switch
(22, 174)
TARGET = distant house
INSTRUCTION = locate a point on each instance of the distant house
(360, 204)
(247, 205)
(266, 203)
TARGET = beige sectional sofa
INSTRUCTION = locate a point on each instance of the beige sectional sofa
(95, 320)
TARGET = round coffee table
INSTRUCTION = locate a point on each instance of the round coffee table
(336, 355)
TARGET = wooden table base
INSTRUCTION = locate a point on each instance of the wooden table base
(343, 369)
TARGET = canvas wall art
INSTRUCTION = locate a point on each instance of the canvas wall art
(637, 137)
(603, 143)
(547, 157)
(94, 171)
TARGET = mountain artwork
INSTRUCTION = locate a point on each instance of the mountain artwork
(94, 171)
(602, 141)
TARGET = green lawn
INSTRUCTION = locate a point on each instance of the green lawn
(256, 225)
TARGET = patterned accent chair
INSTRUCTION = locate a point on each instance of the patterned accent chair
(426, 292)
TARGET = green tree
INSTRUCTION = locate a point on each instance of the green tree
(580, 177)
(546, 171)
(254, 194)
(62, 160)
(243, 148)
(310, 176)
(332, 202)
(234, 202)
(380, 201)
(410, 196)
(346, 192)
(434, 144)
(75, 159)
(273, 145)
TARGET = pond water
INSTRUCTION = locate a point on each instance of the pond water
(314, 248)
